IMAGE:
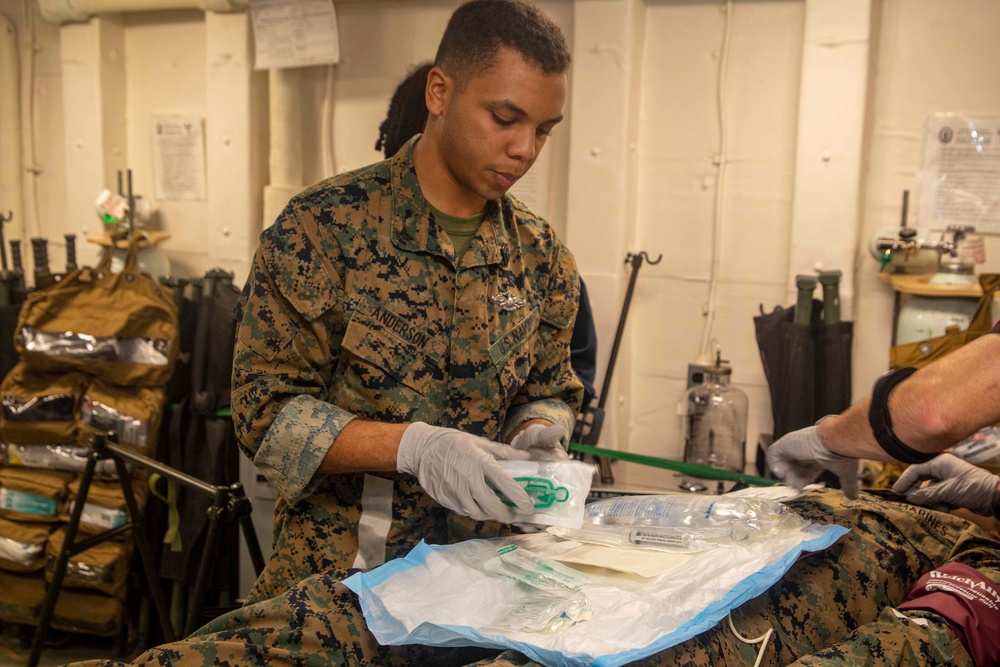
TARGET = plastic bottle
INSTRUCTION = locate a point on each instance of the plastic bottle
(715, 421)
(712, 518)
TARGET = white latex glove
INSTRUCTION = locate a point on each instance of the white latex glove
(543, 443)
(460, 471)
(954, 483)
(799, 458)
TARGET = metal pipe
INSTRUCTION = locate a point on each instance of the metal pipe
(803, 307)
(636, 260)
(79, 11)
(169, 473)
(831, 296)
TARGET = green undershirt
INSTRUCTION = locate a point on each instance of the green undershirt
(460, 230)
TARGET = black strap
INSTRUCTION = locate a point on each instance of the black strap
(881, 420)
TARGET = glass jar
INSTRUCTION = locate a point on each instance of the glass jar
(715, 421)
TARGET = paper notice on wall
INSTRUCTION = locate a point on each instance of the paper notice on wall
(294, 33)
(178, 156)
(959, 175)
(533, 187)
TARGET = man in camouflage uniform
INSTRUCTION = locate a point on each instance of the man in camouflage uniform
(361, 325)
(835, 607)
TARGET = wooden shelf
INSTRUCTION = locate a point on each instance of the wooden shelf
(145, 240)
(919, 285)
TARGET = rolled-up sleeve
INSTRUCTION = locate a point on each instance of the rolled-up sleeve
(552, 391)
(284, 358)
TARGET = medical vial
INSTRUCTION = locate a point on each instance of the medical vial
(715, 421)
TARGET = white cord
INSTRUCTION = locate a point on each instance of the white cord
(721, 97)
(762, 640)
(326, 133)
(29, 132)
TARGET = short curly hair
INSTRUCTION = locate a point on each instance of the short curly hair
(478, 29)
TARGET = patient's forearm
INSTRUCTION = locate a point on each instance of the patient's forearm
(933, 409)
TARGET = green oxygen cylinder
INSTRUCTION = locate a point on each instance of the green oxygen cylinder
(831, 296)
(803, 306)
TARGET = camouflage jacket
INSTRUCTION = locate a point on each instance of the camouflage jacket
(356, 306)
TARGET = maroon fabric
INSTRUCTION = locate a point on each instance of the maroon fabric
(968, 601)
(996, 328)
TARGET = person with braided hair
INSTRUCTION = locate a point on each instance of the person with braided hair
(407, 113)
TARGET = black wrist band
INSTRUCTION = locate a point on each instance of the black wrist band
(881, 421)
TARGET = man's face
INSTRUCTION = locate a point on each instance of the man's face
(494, 128)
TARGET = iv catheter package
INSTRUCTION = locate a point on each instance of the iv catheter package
(522, 593)
(559, 489)
(684, 522)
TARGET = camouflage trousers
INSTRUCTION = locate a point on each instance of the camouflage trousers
(831, 608)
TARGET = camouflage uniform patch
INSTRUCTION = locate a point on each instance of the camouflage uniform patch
(356, 307)
(831, 608)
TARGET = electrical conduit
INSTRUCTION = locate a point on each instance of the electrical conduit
(76, 11)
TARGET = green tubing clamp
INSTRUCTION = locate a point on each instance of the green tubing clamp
(542, 490)
(692, 469)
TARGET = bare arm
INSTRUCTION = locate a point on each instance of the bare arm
(933, 409)
(364, 446)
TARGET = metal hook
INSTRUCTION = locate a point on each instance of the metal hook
(636, 258)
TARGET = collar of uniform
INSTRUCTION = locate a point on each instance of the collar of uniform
(413, 226)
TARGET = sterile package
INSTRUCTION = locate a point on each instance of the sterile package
(444, 596)
(544, 612)
(712, 519)
(538, 572)
(559, 489)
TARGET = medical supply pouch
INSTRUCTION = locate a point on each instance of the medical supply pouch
(39, 408)
(32, 495)
(22, 545)
(21, 596)
(415, 600)
(132, 414)
(105, 507)
(120, 327)
(559, 490)
(70, 457)
(103, 567)
(93, 612)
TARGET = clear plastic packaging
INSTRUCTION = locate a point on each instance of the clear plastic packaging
(98, 515)
(544, 612)
(534, 570)
(105, 418)
(19, 552)
(664, 538)
(715, 519)
(72, 458)
(559, 489)
(152, 351)
(982, 446)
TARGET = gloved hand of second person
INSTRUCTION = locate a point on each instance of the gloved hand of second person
(543, 443)
(460, 471)
(954, 483)
(799, 458)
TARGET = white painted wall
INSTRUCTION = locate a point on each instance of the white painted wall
(633, 166)
(43, 193)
